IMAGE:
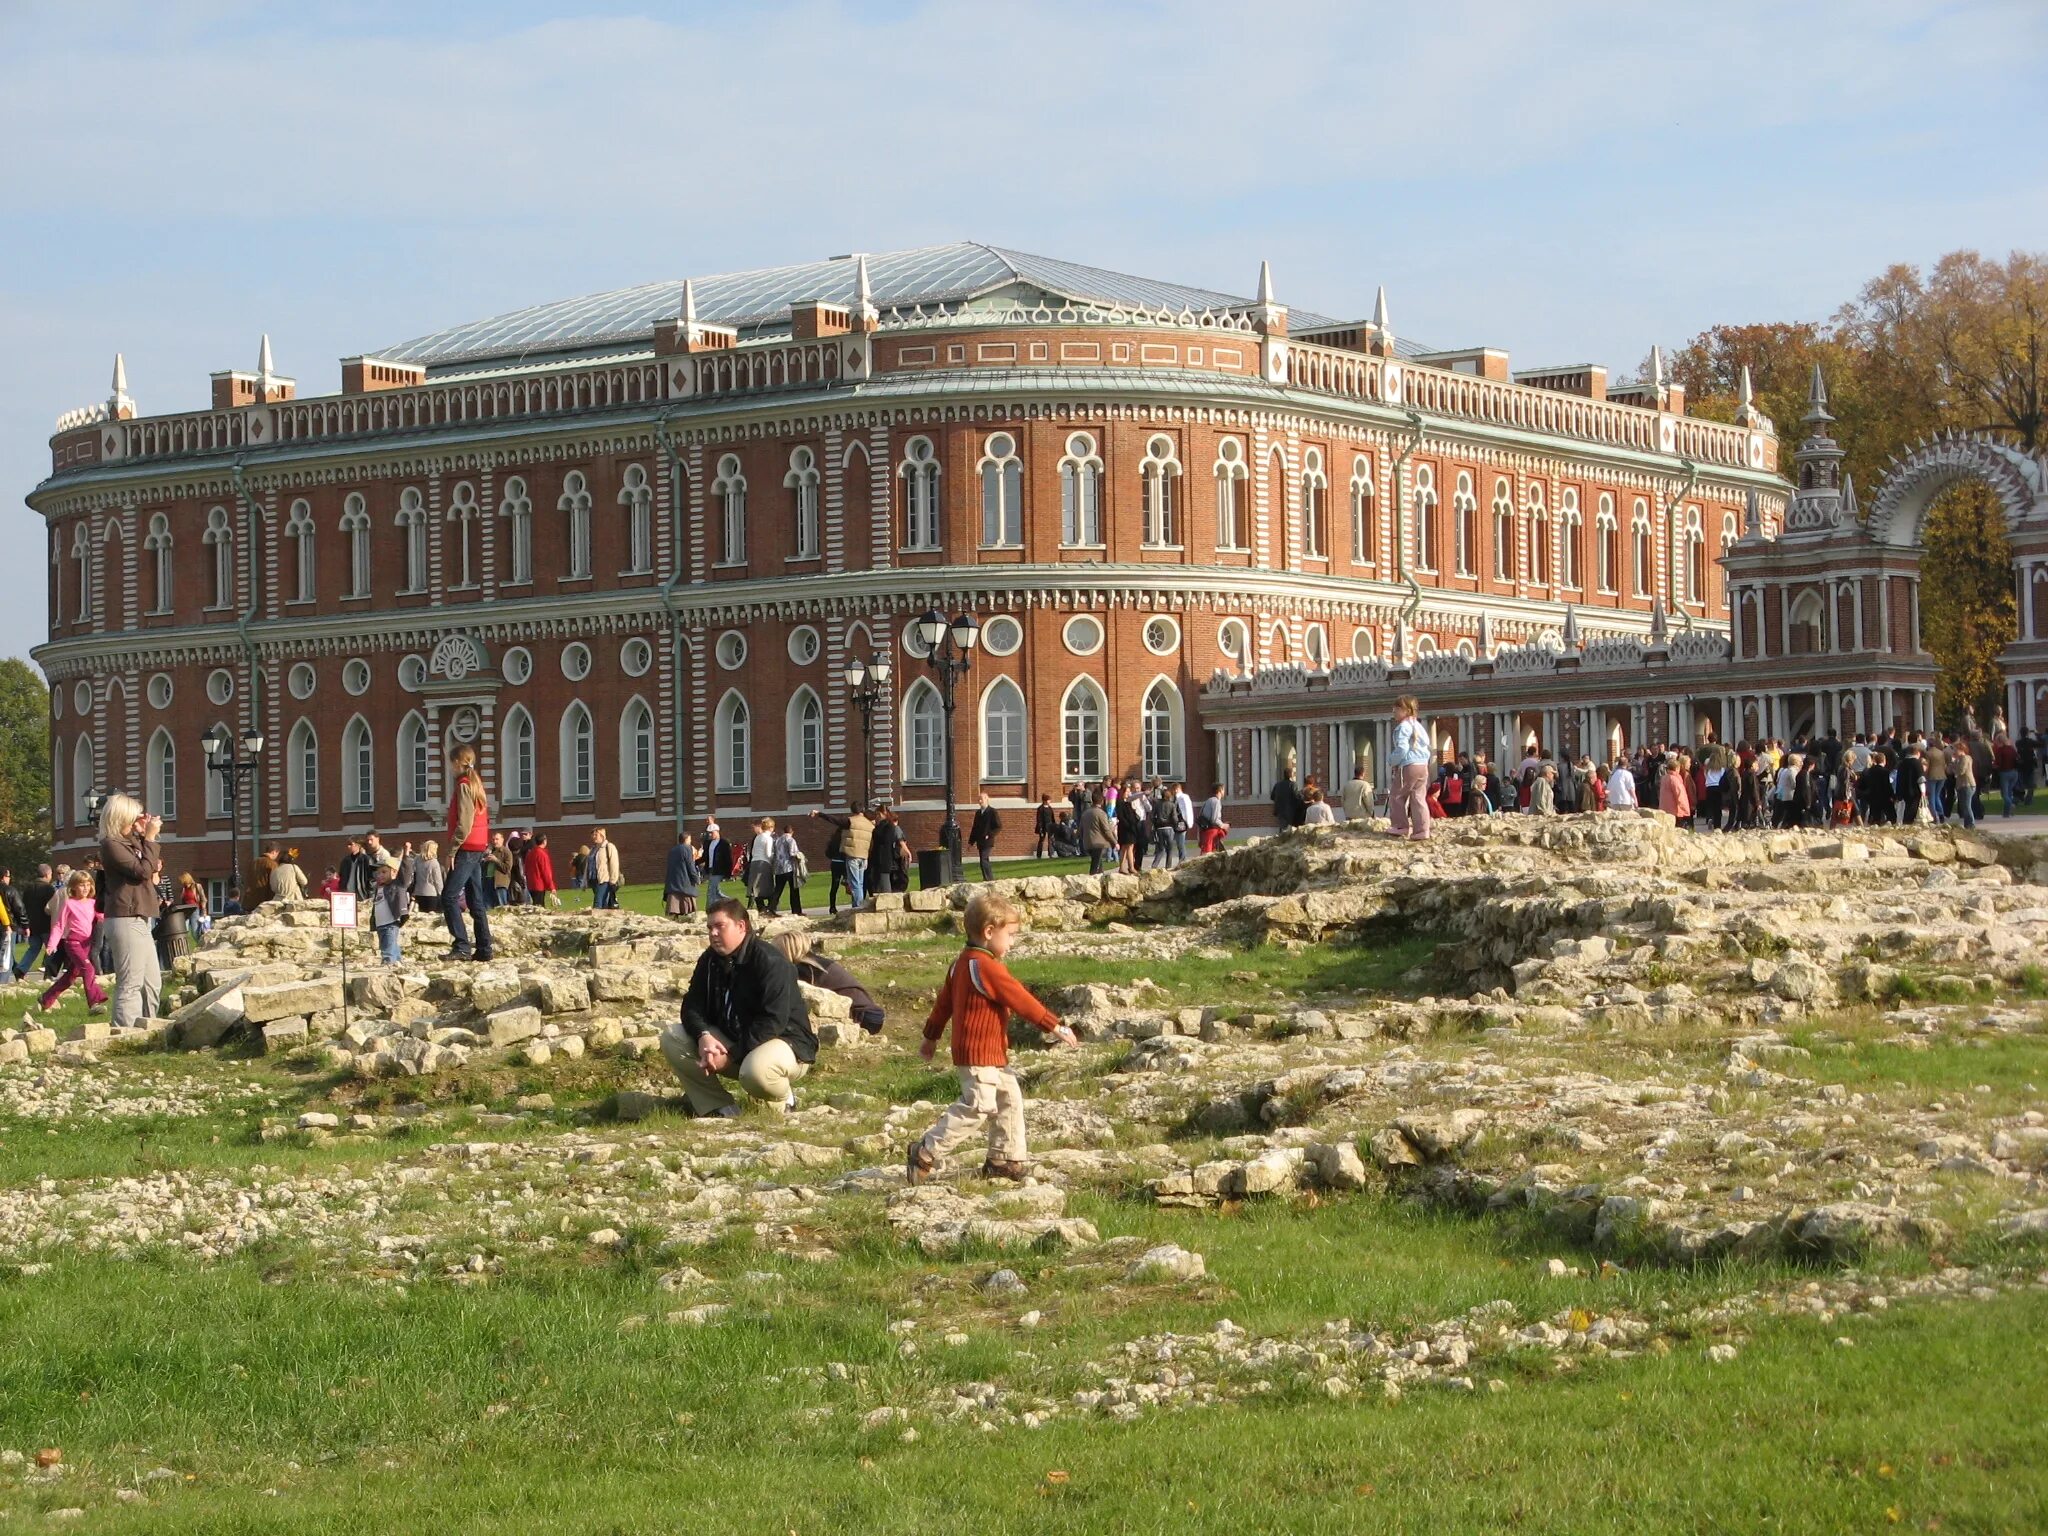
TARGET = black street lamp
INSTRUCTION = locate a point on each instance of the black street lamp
(233, 766)
(949, 650)
(95, 803)
(867, 683)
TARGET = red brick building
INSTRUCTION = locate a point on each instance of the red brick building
(627, 544)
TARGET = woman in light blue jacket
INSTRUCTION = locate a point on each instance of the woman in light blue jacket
(1408, 758)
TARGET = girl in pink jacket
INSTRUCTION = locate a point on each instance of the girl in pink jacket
(71, 937)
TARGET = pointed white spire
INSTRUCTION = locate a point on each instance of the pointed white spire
(264, 368)
(1656, 365)
(1660, 625)
(1748, 391)
(689, 302)
(1485, 635)
(1380, 322)
(1752, 515)
(1817, 391)
(120, 376)
(863, 293)
(1266, 282)
(1571, 627)
(1851, 513)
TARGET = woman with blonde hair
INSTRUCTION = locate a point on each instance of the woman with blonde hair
(428, 878)
(816, 969)
(128, 852)
(1408, 756)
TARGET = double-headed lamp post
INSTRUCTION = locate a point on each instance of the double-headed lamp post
(867, 683)
(949, 651)
(233, 766)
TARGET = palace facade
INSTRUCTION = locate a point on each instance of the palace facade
(628, 545)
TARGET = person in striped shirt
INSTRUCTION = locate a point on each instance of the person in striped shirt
(977, 999)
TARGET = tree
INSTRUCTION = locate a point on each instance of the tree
(1968, 612)
(24, 766)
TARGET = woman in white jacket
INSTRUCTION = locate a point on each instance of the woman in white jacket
(1621, 787)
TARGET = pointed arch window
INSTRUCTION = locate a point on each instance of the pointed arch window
(412, 762)
(1539, 537)
(574, 506)
(924, 735)
(1002, 493)
(636, 750)
(578, 763)
(1607, 534)
(412, 527)
(301, 770)
(1082, 716)
(162, 787)
(84, 775)
(1728, 537)
(1465, 521)
(1695, 557)
(730, 489)
(1315, 510)
(519, 775)
(1573, 525)
(1159, 731)
(733, 745)
(636, 495)
(462, 516)
(1503, 531)
(1364, 549)
(802, 483)
(1159, 479)
(1232, 475)
(1081, 493)
(358, 767)
(1428, 538)
(355, 528)
(81, 554)
(920, 476)
(298, 532)
(1639, 532)
(158, 542)
(804, 737)
(1002, 733)
(517, 510)
(220, 550)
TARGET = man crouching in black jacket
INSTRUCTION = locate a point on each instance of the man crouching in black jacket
(743, 1017)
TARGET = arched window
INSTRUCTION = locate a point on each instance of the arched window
(636, 750)
(84, 776)
(1002, 733)
(1607, 533)
(730, 488)
(920, 476)
(802, 481)
(578, 744)
(517, 510)
(1081, 493)
(1159, 735)
(81, 554)
(518, 781)
(1464, 523)
(1573, 525)
(1279, 645)
(1806, 625)
(358, 767)
(1231, 475)
(1428, 545)
(1002, 492)
(1639, 532)
(1728, 538)
(1695, 557)
(733, 748)
(1082, 730)
(161, 791)
(1315, 511)
(1539, 538)
(1362, 518)
(412, 525)
(637, 497)
(298, 530)
(924, 735)
(574, 506)
(1159, 478)
(355, 527)
(301, 770)
(158, 542)
(1503, 531)
(220, 545)
(412, 762)
(804, 735)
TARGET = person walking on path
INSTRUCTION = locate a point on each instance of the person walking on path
(133, 864)
(743, 1018)
(540, 873)
(71, 938)
(37, 898)
(1289, 808)
(1098, 834)
(13, 919)
(1408, 758)
(982, 834)
(976, 999)
(390, 905)
(2005, 761)
(679, 878)
(500, 855)
(791, 871)
(714, 862)
(855, 835)
(1043, 820)
(605, 871)
(469, 839)
(883, 851)
(761, 866)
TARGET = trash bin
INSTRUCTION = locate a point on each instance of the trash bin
(935, 868)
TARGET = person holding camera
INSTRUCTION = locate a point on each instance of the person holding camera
(128, 850)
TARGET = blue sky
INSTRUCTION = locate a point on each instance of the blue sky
(1572, 181)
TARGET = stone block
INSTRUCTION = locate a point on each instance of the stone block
(934, 900)
(283, 1035)
(40, 1042)
(283, 1000)
(627, 984)
(562, 994)
(202, 1022)
(329, 1024)
(889, 901)
(13, 1051)
(493, 987)
(870, 925)
(509, 1026)
(380, 990)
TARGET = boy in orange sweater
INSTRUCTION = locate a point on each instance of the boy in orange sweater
(977, 998)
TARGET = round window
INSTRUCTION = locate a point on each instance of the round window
(56, 703)
(1001, 446)
(220, 685)
(81, 697)
(1083, 634)
(913, 640)
(160, 691)
(1001, 635)
(1162, 636)
(803, 645)
(518, 664)
(355, 676)
(732, 650)
(412, 672)
(1362, 644)
(635, 657)
(302, 680)
(1318, 645)
(576, 662)
(1233, 639)
(1080, 445)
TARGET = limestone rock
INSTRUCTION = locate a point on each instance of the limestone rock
(509, 1026)
(282, 1000)
(1168, 1261)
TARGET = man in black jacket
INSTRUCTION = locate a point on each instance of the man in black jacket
(981, 836)
(358, 870)
(37, 900)
(743, 1017)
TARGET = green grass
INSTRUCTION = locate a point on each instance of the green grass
(646, 898)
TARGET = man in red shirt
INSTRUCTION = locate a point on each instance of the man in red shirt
(469, 840)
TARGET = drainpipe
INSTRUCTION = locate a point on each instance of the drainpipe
(1414, 603)
(243, 620)
(1671, 506)
(668, 601)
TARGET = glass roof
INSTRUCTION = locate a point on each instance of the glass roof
(929, 275)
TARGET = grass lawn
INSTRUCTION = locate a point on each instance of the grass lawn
(646, 898)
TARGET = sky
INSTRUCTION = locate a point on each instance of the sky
(1572, 180)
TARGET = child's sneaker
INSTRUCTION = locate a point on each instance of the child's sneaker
(1009, 1169)
(918, 1165)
